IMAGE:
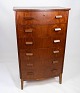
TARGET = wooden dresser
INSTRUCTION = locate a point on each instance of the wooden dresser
(41, 38)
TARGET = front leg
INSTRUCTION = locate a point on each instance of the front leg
(60, 78)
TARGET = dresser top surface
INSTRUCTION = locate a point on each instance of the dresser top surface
(39, 8)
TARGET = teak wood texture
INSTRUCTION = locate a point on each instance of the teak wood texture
(41, 39)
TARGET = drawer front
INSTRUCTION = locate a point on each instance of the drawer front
(40, 17)
(39, 31)
(35, 43)
(35, 56)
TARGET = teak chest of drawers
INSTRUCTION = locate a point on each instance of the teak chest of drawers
(41, 38)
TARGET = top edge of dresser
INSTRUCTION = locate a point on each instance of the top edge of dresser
(39, 8)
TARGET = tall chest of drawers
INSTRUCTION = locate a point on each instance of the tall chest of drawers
(41, 38)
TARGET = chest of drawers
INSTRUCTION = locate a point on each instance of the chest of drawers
(41, 39)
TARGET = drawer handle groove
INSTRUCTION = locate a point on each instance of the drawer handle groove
(29, 64)
(57, 29)
(57, 41)
(30, 73)
(29, 54)
(54, 70)
(55, 62)
(28, 30)
(59, 16)
(29, 43)
(56, 51)
(28, 18)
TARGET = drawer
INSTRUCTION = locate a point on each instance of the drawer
(48, 42)
(42, 17)
(45, 17)
(34, 55)
(42, 31)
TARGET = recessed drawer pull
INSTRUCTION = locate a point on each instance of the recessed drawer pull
(56, 51)
(28, 18)
(29, 64)
(55, 62)
(56, 41)
(54, 70)
(30, 73)
(29, 43)
(59, 16)
(28, 30)
(57, 29)
(29, 54)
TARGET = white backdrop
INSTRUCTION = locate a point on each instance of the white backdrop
(8, 44)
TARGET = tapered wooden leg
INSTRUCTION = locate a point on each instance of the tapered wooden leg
(22, 84)
(60, 78)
